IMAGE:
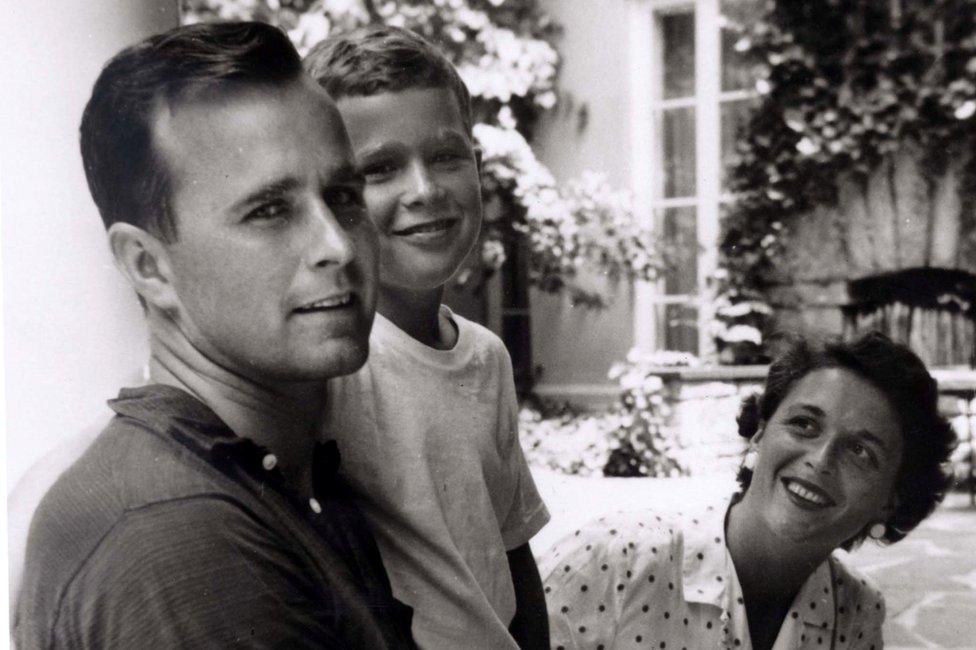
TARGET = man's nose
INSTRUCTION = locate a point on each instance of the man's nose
(328, 241)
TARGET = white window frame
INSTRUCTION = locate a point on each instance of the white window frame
(647, 178)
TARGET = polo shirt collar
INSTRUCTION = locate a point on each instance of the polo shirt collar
(193, 424)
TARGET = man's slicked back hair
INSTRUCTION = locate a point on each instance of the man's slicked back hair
(384, 59)
(127, 178)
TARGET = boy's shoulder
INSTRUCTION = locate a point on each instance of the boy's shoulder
(477, 333)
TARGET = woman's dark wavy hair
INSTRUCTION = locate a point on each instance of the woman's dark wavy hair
(127, 179)
(921, 481)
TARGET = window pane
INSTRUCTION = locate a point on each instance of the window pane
(679, 228)
(681, 328)
(735, 116)
(678, 38)
(736, 72)
(678, 155)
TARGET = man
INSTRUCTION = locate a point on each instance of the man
(205, 515)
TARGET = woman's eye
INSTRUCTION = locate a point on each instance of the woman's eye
(803, 424)
(862, 452)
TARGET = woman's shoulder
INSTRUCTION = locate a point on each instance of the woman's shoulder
(614, 542)
(858, 598)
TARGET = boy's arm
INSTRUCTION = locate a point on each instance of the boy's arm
(530, 625)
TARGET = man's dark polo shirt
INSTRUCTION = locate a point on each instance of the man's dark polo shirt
(173, 532)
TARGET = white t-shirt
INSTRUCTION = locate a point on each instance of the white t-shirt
(429, 441)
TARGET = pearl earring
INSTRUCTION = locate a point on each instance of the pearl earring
(749, 462)
(877, 531)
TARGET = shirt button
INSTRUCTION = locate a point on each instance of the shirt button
(269, 462)
(724, 617)
(314, 504)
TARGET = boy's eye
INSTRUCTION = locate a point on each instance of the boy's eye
(451, 156)
(378, 171)
(268, 212)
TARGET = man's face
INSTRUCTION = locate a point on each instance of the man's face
(275, 259)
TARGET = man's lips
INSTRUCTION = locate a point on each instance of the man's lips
(807, 494)
(433, 226)
(337, 301)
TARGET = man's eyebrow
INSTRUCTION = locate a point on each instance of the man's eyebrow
(345, 174)
(269, 191)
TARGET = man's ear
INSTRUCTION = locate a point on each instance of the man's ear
(144, 261)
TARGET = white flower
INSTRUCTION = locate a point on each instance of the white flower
(742, 334)
(743, 308)
(965, 110)
(763, 87)
(807, 147)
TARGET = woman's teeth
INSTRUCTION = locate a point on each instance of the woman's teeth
(806, 494)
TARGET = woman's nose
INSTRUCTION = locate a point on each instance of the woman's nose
(821, 458)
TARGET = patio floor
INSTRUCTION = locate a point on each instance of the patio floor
(929, 579)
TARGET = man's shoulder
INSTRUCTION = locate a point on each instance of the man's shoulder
(127, 468)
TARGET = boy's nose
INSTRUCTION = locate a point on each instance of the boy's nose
(423, 184)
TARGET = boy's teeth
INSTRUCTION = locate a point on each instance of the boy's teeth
(431, 226)
(804, 493)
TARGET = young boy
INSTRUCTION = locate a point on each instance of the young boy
(428, 428)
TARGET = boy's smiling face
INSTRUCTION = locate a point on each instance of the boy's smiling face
(423, 189)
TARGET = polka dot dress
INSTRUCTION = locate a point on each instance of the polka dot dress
(644, 580)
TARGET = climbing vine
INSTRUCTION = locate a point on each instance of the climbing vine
(843, 85)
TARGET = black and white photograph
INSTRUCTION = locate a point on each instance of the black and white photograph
(489, 324)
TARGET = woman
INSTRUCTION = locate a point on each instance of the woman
(846, 442)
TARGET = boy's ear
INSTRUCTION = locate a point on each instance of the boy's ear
(478, 154)
(144, 261)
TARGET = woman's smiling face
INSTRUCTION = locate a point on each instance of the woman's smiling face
(827, 461)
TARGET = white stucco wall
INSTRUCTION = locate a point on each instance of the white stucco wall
(575, 346)
(73, 333)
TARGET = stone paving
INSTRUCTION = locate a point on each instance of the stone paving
(929, 578)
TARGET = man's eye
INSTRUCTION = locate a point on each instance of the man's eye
(268, 212)
(340, 197)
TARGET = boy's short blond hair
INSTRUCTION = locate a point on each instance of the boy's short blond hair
(382, 59)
